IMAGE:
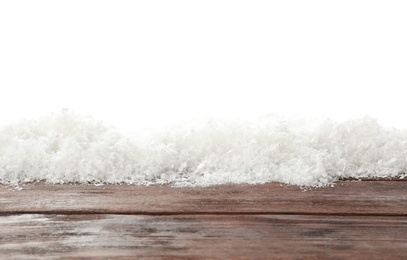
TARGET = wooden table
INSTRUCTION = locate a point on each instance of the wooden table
(353, 219)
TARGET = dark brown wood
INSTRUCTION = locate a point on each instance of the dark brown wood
(346, 198)
(203, 236)
(353, 219)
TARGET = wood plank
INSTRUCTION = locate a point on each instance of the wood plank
(202, 236)
(364, 198)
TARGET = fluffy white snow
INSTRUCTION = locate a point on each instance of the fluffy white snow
(67, 147)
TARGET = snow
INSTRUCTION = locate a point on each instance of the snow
(67, 147)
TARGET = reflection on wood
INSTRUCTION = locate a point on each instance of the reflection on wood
(248, 236)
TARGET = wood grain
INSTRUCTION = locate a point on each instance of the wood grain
(352, 220)
(345, 198)
(202, 236)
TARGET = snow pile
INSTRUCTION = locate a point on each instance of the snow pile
(67, 147)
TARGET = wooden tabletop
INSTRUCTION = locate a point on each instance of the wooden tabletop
(352, 219)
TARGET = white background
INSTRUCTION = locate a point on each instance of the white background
(133, 63)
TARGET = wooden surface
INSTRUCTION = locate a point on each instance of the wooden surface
(352, 220)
